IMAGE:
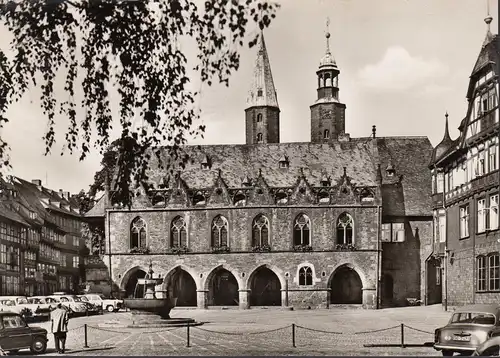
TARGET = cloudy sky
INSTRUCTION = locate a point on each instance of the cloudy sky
(403, 64)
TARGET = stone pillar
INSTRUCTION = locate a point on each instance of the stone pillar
(369, 298)
(244, 299)
(201, 298)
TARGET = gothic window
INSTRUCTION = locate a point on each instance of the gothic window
(259, 117)
(345, 226)
(326, 134)
(301, 230)
(305, 276)
(219, 231)
(138, 233)
(178, 233)
(259, 138)
(260, 231)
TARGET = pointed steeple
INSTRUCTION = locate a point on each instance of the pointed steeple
(262, 91)
(328, 60)
(445, 143)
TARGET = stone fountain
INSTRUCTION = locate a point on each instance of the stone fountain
(149, 310)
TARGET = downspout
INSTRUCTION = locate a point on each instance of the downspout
(445, 248)
(109, 253)
(379, 270)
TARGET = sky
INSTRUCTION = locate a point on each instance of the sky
(403, 65)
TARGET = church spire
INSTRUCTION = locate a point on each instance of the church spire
(262, 91)
(262, 114)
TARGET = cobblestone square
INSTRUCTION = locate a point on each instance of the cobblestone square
(263, 332)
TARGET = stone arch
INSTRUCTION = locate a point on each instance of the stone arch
(130, 276)
(356, 288)
(273, 268)
(181, 282)
(265, 286)
(216, 296)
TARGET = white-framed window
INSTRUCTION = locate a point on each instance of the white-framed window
(493, 212)
(440, 182)
(393, 232)
(480, 168)
(481, 215)
(481, 273)
(442, 228)
(76, 261)
(492, 162)
(494, 272)
(464, 221)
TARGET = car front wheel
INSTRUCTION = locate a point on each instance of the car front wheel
(447, 353)
(39, 345)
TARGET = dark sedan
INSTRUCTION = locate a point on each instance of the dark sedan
(468, 328)
(15, 334)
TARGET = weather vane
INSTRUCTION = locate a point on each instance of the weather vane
(327, 34)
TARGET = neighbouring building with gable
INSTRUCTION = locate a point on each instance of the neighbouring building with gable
(465, 262)
(333, 221)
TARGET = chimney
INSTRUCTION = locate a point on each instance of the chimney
(67, 195)
(374, 131)
(37, 182)
(61, 193)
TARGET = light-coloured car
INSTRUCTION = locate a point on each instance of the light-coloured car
(108, 304)
(10, 305)
(72, 302)
(490, 348)
(468, 328)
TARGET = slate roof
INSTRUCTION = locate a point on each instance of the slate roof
(262, 80)
(361, 157)
(488, 54)
(99, 208)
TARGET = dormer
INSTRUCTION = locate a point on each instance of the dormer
(325, 180)
(389, 170)
(283, 162)
(205, 162)
(246, 181)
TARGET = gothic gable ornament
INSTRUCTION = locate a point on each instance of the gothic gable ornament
(178, 193)
(345, 191)
(141, 199)
(261, 193)
(219, 194)
(302, 192)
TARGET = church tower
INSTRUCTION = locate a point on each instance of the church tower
(262, 112)
(327, 113)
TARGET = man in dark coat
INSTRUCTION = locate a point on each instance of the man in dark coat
(59, 327)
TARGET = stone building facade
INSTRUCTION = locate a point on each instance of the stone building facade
(465, 261)
(334, 221)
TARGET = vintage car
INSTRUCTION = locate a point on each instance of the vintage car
(469, 327)
(108, 304)
(75, 305)
(38, 309)
(9, 305)
(15, 334)
(91, 307)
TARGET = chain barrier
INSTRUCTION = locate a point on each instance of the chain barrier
(418, 330)
(142, 332)
(241, 334)
(318, 330)
(378, 330)
(77, 328)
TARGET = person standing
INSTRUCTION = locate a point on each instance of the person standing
(59, 320)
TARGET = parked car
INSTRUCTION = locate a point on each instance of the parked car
(108, 304)
(91, 307)
(467, 329)
(9, 305)
(76, 306)
(37, 309)
(490, 348)
(16, 334)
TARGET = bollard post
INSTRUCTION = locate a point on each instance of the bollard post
(85, 335)
(402, 335)
(293, 336)
(187, 335)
